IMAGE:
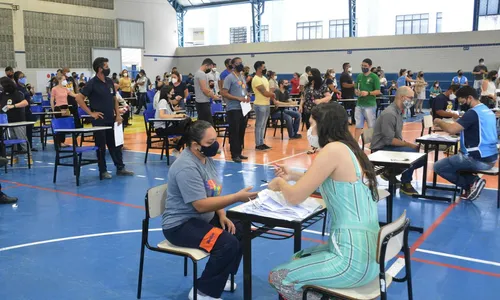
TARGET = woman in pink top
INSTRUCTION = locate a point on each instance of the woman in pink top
(59, 102)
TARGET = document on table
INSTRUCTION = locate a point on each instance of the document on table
(246, 107)
(273, 204)
(119, 140)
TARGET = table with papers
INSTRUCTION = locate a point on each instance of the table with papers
(271, 216)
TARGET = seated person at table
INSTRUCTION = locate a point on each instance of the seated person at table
(478, 145)
(194, 214)
(348, 185)
(291, 117)
(388, 135)
(164, 109)
(442, 105)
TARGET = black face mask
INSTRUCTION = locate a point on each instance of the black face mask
(9, 88)
(208, 71)
(10, 76)
(494, 78)
(106, 72)
(212, 86)
(264, 72)
(239, 68)
(460, 74)
(211, 150)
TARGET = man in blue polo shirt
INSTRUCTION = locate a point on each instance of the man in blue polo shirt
(478, 144)
(223, 75)
(104, 108)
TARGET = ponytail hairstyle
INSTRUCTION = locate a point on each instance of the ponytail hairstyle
(196, 131)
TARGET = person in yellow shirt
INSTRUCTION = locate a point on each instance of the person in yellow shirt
(125, 85)
(262, 107)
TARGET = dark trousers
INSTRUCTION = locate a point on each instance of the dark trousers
(107, 138)
(204, 112)
(29, 129)
(179, 129)
(237, 126)
(73, 109)
(141, 101)
(224, 248)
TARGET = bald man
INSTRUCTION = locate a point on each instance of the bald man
(388, 135)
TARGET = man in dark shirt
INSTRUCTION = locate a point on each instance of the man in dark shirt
(347, 87)
(443, 102)
(291, 117)
(479, 73)
(105, 110)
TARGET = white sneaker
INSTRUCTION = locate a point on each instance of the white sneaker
(227, 287)
(200, 297)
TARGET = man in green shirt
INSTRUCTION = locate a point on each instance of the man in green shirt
(367, 89)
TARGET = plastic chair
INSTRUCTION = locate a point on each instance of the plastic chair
(392, 239)
(43, 128)
(81, 114)
(155, 200)
(37, 98)
(153, 138)
(12, 142)
(220, 121)
(366, 137)
(75, 152)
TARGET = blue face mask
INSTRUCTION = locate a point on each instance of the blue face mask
(211, 150)
(23, 81)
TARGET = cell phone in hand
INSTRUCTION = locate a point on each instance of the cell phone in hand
(5, 108)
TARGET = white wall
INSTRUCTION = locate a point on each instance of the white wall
(160, 30)
(289, 57)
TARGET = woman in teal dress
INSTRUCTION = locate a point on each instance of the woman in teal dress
(348, 185)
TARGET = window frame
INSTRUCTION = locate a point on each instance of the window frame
(308, 27)
(264, 34)
(240, 35)
(409, 21)
(486, 4)
(343, 23)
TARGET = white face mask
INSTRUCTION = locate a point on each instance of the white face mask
(333, 74)
(214, 70)
(453, 97)
(68, 74)
(65, 83)
(313, 139)
(174, 80)
(125, 74)
(349, 70)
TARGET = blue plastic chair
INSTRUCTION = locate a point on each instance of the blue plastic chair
(37, 98)
(75, 152)
(45, 103)
(43, 128)
(82, 113)
(220, 122)
(152, 137)
(151, 95)
(150, 108)
(12, 142)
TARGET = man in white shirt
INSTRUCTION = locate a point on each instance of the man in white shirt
(304, 79)
(215, 76)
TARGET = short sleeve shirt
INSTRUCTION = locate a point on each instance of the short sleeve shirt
(477, 69)
(368, 83)
(347, 93)
(237, 87)
(304, 80)
(189, 180)
(101, 97)
(163, 105)
(259, 98)
(461, 81)
(311, 94)
(14, 114)
(441, 102)
(200, 97)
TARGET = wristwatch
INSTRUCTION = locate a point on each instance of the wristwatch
(14, 105)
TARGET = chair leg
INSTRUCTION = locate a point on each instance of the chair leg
(12, 156)
(78, 169)
(324, 224)
(141, 269)
(148, 144)
(29, 154)
(55, 167)
(498, 191)
(185, 266)
(232, 283)
(166, 144)
(195, 280)
(408, 272)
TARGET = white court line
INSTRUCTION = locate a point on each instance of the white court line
(227, 175)
(159, 178)
(286, 157)
(141, 176)
(264, 184)
(481, 261)
(91, 169)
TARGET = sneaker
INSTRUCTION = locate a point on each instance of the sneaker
(260, 148)
(124, 172)
(237, 160)
(266, 147)
(407, 189)
(4, 199)
(200, 296)
(386, 178)
(465, 194)
(106, 175)
(3, 161)
(243, 157)
(476, 189)
(227, 287)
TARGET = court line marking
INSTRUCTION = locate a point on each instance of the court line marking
(73, 194)
(480, 261)
(286, 157)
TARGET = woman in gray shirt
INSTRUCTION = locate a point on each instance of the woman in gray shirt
(194, 214)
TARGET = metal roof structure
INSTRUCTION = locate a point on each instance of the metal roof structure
(193, 4)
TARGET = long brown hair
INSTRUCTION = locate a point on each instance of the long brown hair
(332, 126)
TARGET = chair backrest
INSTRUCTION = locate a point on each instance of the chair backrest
(4, 119)
(151, 95)
(63, 123)
(155, 201)
(367, 135)
(427, 121)
(149, 114)
(81, 112)
(45, 103)
(392, 235)
(216, 106)
(36, 108)
(149, 107)
(38, 98)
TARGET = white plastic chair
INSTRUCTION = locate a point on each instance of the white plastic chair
(392, 239)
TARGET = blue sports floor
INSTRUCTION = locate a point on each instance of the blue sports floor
(68, 242)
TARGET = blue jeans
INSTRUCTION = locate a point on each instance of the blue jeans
(407, 175)
(261, 116)
(292, 119)
(449, 167)
(365, 113)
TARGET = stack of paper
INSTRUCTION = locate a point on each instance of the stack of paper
(273, 204)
